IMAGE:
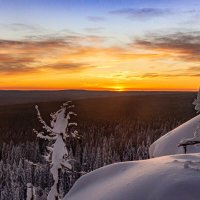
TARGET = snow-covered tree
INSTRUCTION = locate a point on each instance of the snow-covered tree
(197, 102)
(57, 133)
(191, 141)
(30, 195)
(196, 139)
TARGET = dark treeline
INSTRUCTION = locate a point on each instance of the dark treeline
(112, 130)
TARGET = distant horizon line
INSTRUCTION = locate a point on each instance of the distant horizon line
(106, 90)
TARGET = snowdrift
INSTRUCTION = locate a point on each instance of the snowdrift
(169, 177)
(168, 143)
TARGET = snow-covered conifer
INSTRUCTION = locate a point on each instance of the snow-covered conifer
(197, 102)
(196, 139)
(30, 195)
(61, 129)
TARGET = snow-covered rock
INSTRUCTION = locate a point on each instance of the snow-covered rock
(168, 143)
(164, 178)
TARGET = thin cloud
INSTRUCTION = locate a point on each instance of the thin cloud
(29, 46)
(78, 53)
(70, 53)
(15, 68)
(12, 68)
(185, 46)
(21, 27)
(95, 18)
(24, 27)
(7, 58)
(29, 56)
(71, 66)
(143, 13)
(158, 75)
(14, 64)
(194, 69)
(188, 72)
(94, 30)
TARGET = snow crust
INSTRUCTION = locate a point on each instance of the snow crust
(168, 143)
(163, 178)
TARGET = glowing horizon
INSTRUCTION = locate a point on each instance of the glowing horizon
(93, 45)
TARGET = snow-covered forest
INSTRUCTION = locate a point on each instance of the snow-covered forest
(171, 172)
(112, 130)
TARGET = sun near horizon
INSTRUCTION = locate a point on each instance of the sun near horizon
(112, 45)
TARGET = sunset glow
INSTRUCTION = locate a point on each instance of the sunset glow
(105, 46)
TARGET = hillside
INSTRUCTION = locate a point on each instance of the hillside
(10, 97)
(113, 129)
(158, 112)
(170, 177)
(165, 177)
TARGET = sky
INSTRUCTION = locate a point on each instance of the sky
(100, 45)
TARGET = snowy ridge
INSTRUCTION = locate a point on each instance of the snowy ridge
(168, 143)
(172, 175)
(169, 177)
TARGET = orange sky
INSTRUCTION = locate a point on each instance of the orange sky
(100, 45)
(74, 64)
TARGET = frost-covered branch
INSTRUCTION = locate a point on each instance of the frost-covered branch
(68, 169)
(66, 103)
(75, 134)
(45, 126)
(72, 113)
(34, 164)
(42, 136)
(72, 124)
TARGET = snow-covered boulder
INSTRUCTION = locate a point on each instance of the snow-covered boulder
(168, 143)
(164, 178)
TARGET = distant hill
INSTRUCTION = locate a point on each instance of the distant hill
(9, 97)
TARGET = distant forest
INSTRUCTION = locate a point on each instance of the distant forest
(112, 129)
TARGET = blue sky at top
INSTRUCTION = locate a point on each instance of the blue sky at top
(51, 16)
